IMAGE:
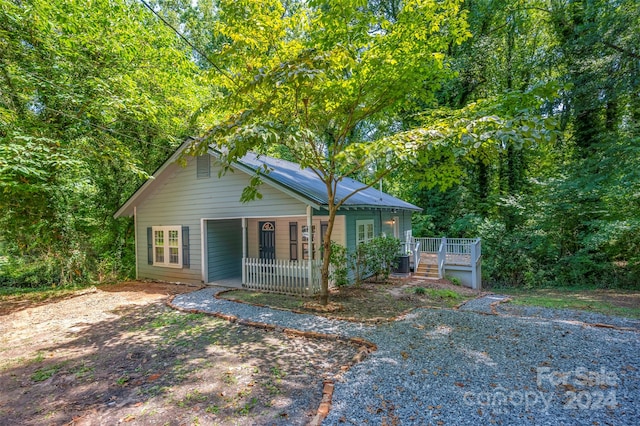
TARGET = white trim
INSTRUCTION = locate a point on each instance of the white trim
(204, 267)
(165, 245)
(244, 249)
(267, 217)
(365, 222)
(395, 222)
(135, 236)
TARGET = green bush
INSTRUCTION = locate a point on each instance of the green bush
(339, 266)
(31, 273)
(375, 257)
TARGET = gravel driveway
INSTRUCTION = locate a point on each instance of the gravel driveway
(470, 367)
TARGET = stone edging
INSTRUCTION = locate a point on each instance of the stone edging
(365, 347)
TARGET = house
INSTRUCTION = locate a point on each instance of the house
(190, 225)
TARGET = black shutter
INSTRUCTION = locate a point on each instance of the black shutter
(293, 240)
(185, 247)
(150, 246)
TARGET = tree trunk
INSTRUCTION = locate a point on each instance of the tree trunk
(326, 256)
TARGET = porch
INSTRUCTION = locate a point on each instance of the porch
(277, 254)
(436, 258)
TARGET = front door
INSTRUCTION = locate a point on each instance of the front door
(267, 231)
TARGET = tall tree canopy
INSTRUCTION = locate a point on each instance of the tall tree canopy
(91, 98)
(516, 121)
(316, 78)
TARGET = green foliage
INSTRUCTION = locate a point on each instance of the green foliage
(454, 280)
(45, 373)
(383, 253)
(374, 258)
(314, 77)
(359, 262)
(30, 273)
(339, 265)
(92, 100)
(441, 293)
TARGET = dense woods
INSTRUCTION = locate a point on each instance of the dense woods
(515, 121)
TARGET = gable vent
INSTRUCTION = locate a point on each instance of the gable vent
(204, 167)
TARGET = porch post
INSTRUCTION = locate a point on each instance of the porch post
(244, 250)
(474, 271)
(310, 246)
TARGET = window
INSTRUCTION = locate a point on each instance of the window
(305, 242)
(167, 249)
(364, 231)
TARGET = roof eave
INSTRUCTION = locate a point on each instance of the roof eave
(376, 207)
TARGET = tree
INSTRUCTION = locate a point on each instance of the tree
(91, 100)
(317, 78)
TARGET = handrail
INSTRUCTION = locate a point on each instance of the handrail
(442, 257)
(478, 251)
(416, 256)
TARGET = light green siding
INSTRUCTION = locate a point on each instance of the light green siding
(224, 249)
(177, 197)
(382, 223)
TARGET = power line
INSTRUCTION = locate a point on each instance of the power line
(107, 130)
(96, 126)
(186, 40)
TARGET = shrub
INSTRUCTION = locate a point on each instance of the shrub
(339, 266)
(32, 273)
(374, 257)
(383, 253)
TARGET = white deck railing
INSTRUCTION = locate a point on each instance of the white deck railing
(460, 246)
(454, 252)
(442, 257)
(428, 245)
(282, 276)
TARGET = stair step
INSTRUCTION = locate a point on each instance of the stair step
(426, 270)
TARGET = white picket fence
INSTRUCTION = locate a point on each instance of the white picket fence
(282, 276)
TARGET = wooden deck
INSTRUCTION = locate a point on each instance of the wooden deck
(452, 259)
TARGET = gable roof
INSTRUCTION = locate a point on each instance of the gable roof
(290, 178)
(306, 183)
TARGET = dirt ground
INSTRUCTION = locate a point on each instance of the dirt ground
(370, 301)
(119, 354)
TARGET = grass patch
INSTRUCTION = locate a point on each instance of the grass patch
(608, 302)
(369, 301)
(42, 374)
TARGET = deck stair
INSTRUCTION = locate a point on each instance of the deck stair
(427, 268)
(433, 258)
